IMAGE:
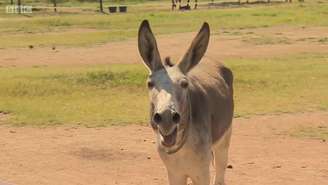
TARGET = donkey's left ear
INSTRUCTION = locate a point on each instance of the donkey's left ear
(197, 49)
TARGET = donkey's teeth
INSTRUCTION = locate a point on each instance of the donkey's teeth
(169, 140)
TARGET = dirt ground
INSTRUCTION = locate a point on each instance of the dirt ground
(262, 152)
(269, 42)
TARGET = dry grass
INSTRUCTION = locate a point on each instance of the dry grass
(116, 94)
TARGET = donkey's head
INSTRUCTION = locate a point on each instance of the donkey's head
(168, 86)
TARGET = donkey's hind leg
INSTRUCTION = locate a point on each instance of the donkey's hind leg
(220, 150)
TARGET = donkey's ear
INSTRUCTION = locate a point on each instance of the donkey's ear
(197, 49)
(148, 48)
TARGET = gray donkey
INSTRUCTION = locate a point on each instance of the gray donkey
(191, 109)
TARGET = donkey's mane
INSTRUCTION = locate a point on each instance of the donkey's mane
(168, 62)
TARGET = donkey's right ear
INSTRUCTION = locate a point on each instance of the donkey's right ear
(148, 48)
(197, 49)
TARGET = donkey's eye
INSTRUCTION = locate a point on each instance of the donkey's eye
(184, 83)
(150, 84)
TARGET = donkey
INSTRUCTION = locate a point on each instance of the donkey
(191, 109)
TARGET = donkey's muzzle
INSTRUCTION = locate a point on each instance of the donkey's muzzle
(166, 117)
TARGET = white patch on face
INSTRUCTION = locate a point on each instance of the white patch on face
(164, 97)
(164, 101)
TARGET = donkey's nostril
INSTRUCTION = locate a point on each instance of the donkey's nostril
(157, 118)
(176, 117)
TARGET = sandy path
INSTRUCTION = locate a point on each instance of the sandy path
(262, 152)
(223, 45)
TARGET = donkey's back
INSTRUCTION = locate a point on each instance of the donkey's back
(212, 96)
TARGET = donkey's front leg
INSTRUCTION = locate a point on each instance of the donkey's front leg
(201, 176)
(221, 160)
(176, 178)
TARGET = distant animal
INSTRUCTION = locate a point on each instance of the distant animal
(191, 109)
(183, 7)
(186, 7)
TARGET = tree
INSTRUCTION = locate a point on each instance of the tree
(55, 5)
(54, 2)
(11, 2)
(101, 5)
(19, 3)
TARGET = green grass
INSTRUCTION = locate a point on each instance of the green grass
(266, 40)
(93, 28)
(279, 85)
(79, 3)
(116, 94)
(89, 96)
(320, 132)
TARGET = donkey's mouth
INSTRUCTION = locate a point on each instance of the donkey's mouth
(169, 140)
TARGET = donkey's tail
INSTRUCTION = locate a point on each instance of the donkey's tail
(227, 76)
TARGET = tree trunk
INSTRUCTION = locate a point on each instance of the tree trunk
(55, 5)
(101, 5)
(19, 4)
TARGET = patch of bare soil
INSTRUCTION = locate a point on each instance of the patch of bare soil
(3, 116)
(226, 44)
(262, 152)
